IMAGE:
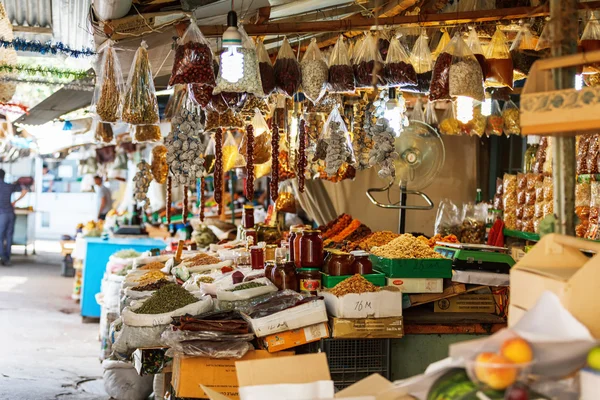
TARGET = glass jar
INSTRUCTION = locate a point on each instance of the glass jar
(362, 264)
(251, 237)
(309, 280)
(242, 259)
(338, 264)
(293, 233)
(296, 248)
(257, 256)
(284, 276)
(269, 268)
(311, 249)
(270, 252)
(268, 234)
(248, 216)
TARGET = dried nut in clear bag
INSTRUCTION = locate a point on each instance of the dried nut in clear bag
(341, 75)
(519, 211)
(528, 211)
(495, 122)
(285, 202)
(398, 71)
(510, 192)
(583, 145)
(147, 133)
(141, 181)
(548, 207)
(104, 132)
(107, 93)
(159, 166)
(193, 62)
(478, 124)
(262, 140)
(521, 181)
(140, 106)
(314, 73)
(228, 119)
(368, 62)
(335, 144)
(592, 155)
(227, 101)
(465, 75)
(288, 76)
(539, 209)
(523, 52)
(384, 151)
(267, 73)
(548, 188)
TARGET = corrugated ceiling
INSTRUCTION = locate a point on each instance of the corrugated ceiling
(36, 13)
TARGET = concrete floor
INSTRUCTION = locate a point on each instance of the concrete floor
(46, 351)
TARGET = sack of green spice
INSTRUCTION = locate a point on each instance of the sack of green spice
(167, 302)
(106, 102)
(140, 106)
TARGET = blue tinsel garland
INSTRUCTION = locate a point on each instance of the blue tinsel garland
(45, 48)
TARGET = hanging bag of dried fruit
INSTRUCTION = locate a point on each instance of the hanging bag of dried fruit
(286, 201)
(106, 103)
(267, 73)
(523, 52)
(228, 119)
(499, 62)
(383, 152)
(398, 71)
(431, 115)
(341, 75)
(250, 81)
(288, 76)
(465, 75)
(314, 72)
(202, 93)
(104, 132)
(262, 139)
(450, 125)
(495, 123)
(590, 41)
(368, 64)
(545, 40)
(336, 143)
(439, 49)
(225, 101)
(477, 125)
(420, 59)
(512, 120)
(159, 166)
(193, 61)
(475, 45)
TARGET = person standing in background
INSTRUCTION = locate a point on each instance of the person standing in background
(7, 216)
(47, 179)
(103, 198)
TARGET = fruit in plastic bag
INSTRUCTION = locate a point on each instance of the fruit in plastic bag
(523, 52)
(147, 133)
(262, 139)
(420, 58)
(250, 81)
(288, 75)
(367, 64)
(499, 61)
(465, 75)
(512, 120)
(475, 45)
(140, 106)
(398, 71)
(193, 61)
(108, 89)
(267, 74)
(104, 133)
(341, 75)
(495, 122)
(159, 166)
(314, 72)
(450, 125)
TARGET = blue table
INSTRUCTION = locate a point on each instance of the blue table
(97, 254)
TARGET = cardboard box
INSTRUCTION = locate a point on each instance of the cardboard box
(307, 314)
(557, 264)
(590, 384)
(413, 268)
(469, 303)
(385, 303)
(417, 285)
(218, 374)
(296, 337)
(367, 328)
(517, 253)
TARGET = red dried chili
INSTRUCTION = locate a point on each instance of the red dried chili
(275, 163)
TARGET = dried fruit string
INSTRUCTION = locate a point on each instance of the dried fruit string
(168, 200)
(301, 155)
(275, 163)
(218, 174)
(202, 198)
(250, 162)
(184, 212)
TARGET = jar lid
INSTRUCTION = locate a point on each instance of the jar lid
(248, 206)
(312, 231)
(359, 253)
(307, 269)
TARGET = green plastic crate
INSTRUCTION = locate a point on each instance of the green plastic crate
(413, 268)
(329, 281)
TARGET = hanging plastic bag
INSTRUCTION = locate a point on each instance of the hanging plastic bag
(465, 75)
(159, 166)
(231, 155)
(147, 133)
(140, 106)
(341, 75)
(285, 201)
(398, 71)
(228, 119)
(367, 62)
(227, 101)
(511, 117)
(477, 125)
(314, 72)
(450, 125)
(249, 81)
(104, 133)
(209, 156)
(417, 113)
(546, 37)
(336, 144)
(431, 115)
(267, 73)
(109, 86)
(495, 122)
(499, 62)
(583, 145)
(383, 43)
(475, 45)
(590, 38)
(193, 61)
(447, 219)
(288, 75)
(523, 52)
(420, 59)
(472, 228)
(262, 139)
(439, 49)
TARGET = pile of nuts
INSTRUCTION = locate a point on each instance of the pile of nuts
(405, 246)
(355, 284)
(142, 181)
(379, 238)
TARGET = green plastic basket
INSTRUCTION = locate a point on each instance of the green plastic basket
(413, 268)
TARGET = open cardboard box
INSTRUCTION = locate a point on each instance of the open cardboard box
(382, 304)
(303, 377)
(557, 264)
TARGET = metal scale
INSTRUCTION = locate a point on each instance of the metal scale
(476, 257)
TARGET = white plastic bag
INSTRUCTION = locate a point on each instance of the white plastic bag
(126, 339)
(130, 318)
(226, 293)
(122, 382)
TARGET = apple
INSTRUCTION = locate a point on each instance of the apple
(517, 350)
(500, 372)
(481, 370)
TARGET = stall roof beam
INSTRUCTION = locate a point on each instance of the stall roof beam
(363, 24)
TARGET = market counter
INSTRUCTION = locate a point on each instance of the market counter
(97, 253)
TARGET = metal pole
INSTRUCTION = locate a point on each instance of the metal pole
(564, 24)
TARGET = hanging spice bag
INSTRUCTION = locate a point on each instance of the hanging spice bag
(417, 113)
(159, 165)
(314, 73)
(475, 45)
(267, 73)
(228, 119)
(420, 59)
(341, 75)
(262, 138)
(439, 49)
(545, 40)
(465, 75)
(104, 133)
(106, 102)
(383, 43)
(495, 123)
(499, 62)
(288, 75)
(140, 106)
(478, 124)
(430, 114)
(146, 133)
(231, 154)
(338, 145)
(209, 157)
(523, 52)
(398, 71)
(193, 61)
(250, 81)
(450, 125)
(367, 62)
(512, 121)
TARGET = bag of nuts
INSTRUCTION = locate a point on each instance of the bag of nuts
(368, 64)
(106, 102)
(314, 72)
(193, 61)
(398, 71)
(465, 75)
(341, 75)
(267, 73)
(288, 75)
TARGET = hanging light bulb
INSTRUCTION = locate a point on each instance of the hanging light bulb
(486, 106)
(578, 82)
(393, 112)
(232, 60)
(464, 109)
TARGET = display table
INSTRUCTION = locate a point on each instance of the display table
(97, 253)
(24, 229)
